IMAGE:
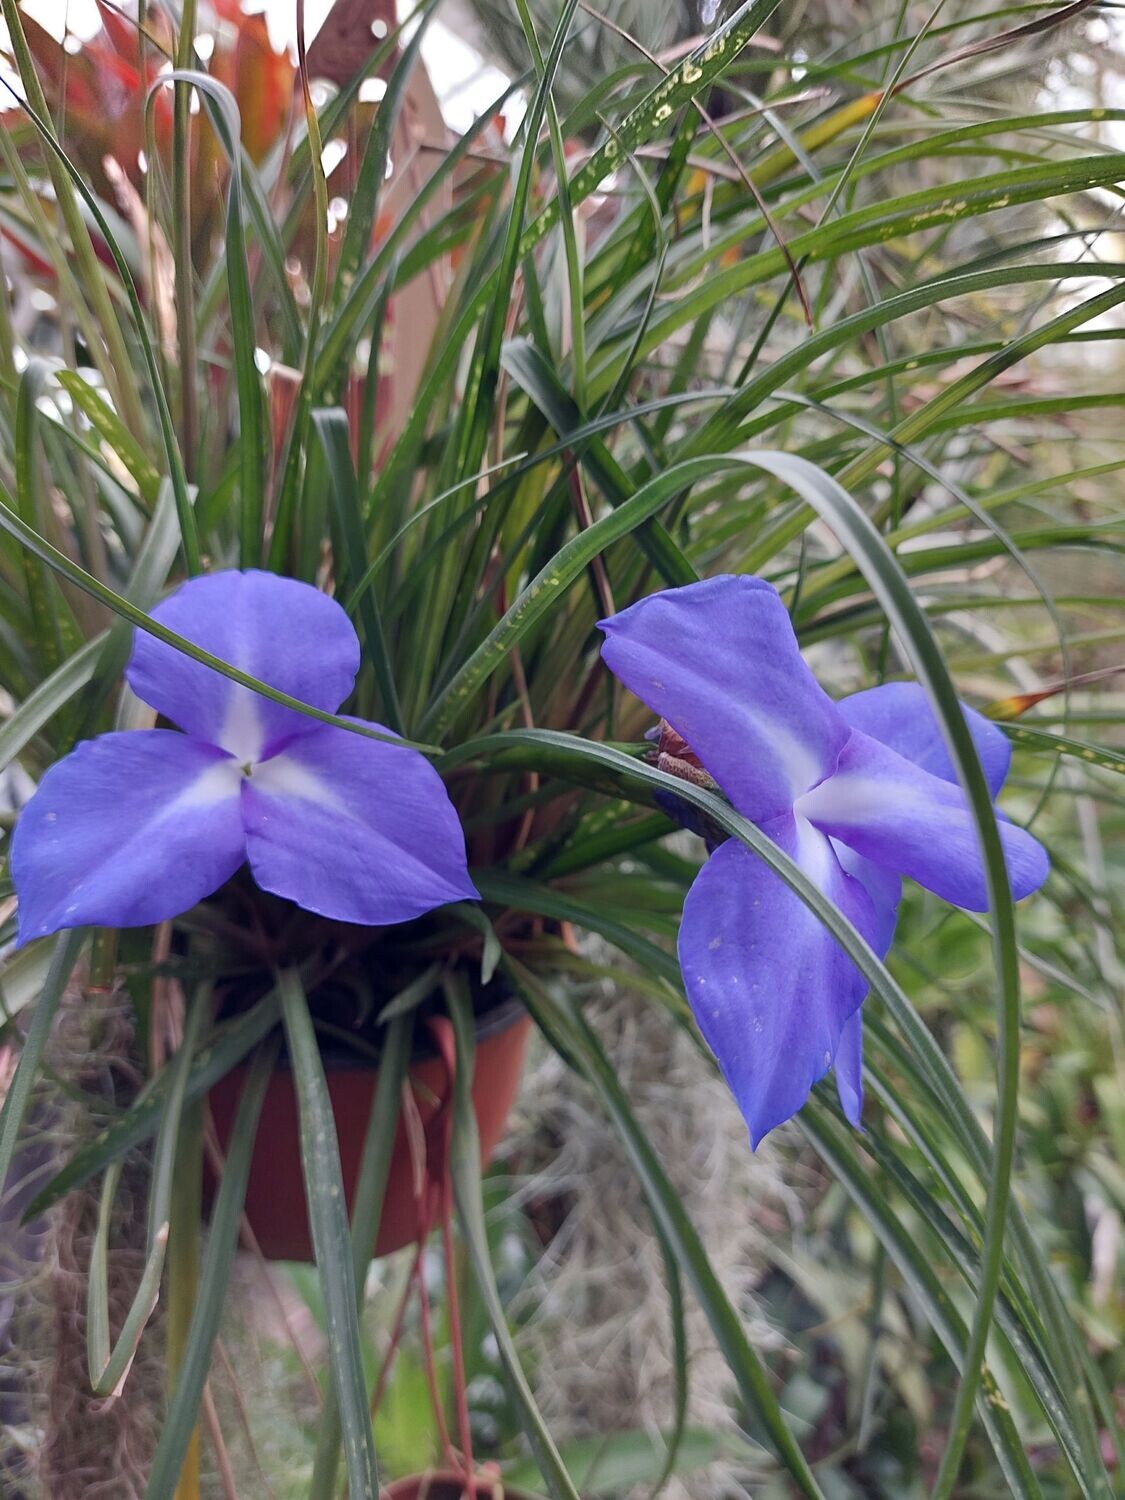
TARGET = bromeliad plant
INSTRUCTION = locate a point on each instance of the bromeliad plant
(716, 382)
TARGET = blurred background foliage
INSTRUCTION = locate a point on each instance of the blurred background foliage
(892, 246)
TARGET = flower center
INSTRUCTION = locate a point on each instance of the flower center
(675, 756)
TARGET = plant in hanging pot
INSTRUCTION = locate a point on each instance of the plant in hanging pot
(132, 828)
(417, 1173)
(344, 713)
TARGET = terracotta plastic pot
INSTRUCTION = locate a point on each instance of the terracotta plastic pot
(275, 1194)
(437, 1484)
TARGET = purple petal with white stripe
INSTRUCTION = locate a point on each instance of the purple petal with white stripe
(770, 987)
(355, 829)
(903, 818)
(900, 714)
(719, 661)
(287, 634)
(128, 829)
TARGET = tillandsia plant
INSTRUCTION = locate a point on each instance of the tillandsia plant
(742, 354)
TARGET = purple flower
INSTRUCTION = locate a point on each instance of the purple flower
(135, 827)
(858, 793)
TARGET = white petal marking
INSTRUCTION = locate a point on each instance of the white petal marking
(799, 761)
(282, 776)
(243, 735)
(850, 798)
(814, 853)
(216, 784)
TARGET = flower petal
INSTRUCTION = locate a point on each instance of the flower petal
(901, 715)
(719, 661)
(849, 1068)
(885, 889)
(285, 633)
(355, 829)
(127, 829)
(770, 986)
(882, 885)
(890, 811)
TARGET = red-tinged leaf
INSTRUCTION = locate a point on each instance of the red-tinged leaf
(123, 34)
(117, 84)
(57, 69)
(263, 85)
(1019, 703)
(34, 260)
(103, 98)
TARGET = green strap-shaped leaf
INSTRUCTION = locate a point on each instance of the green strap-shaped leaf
(222, 1241)
(67, 947)
(251, 413)
(579, 1045)
(923, 1280)
(332, 1246)
(544, 901)
(480, 384)
(56, 634)
(883, 574)
(52, 695)
(464, 1170)
(1046, 742)
(365, 196)
(690, 78)
(108, 1364)
(538, 598)
(174, 458)
(381, 274)
(112, 431)
(331, 427)
(1025, 1344)
(12, 523)
(115, 363)
(374, 1169)
(538, 380)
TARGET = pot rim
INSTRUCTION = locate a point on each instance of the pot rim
(339, 1058)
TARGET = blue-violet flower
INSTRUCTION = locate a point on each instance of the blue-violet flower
(858, 793)
(137, 826)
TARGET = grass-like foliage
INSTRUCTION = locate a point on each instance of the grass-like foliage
(834, 304)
